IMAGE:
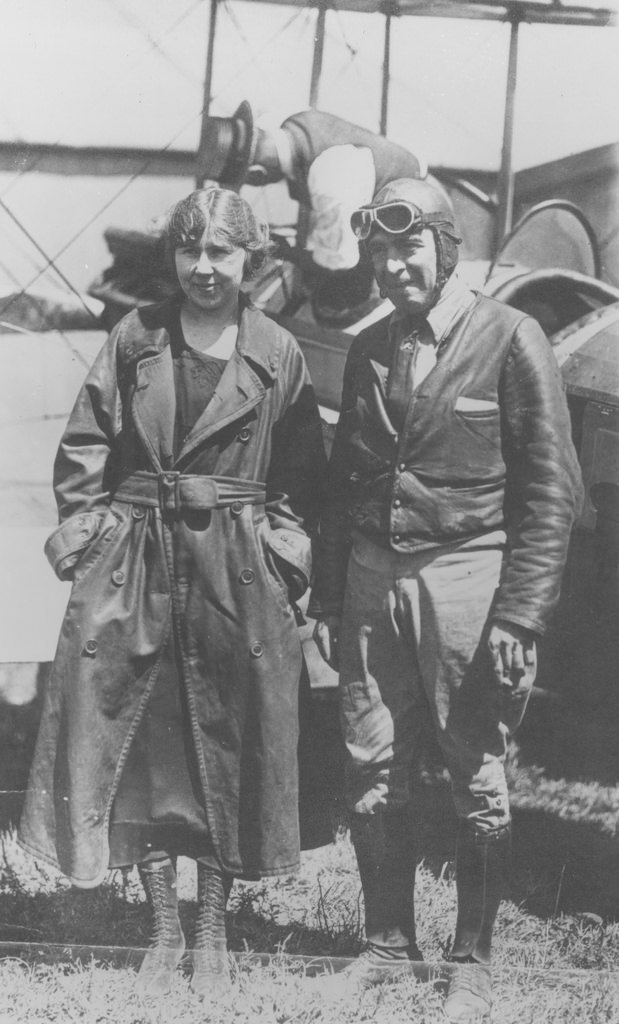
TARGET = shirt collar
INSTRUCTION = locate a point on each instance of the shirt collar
(454, 299)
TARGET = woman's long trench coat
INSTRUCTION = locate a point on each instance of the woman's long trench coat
(127, 508)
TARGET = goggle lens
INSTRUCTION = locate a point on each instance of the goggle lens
(395, 218)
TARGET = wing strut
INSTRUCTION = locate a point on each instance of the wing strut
(505, 185)
(384, 104)
(319, 45)
(206, 96)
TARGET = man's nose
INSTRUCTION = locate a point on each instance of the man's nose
(204, 265)
(394, 264)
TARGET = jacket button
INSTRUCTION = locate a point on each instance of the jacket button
(91, 647)
(137, 512)
(402, 467)
(244, 435)
(257, 649)
(118, 577)
(396, 538)
(247, 576)
(397, 503)
(236, 508)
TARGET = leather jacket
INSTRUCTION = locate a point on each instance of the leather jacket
(485, 445)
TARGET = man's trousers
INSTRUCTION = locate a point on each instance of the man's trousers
(413, 656)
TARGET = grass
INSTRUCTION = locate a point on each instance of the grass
(539, 957)
(556, 951)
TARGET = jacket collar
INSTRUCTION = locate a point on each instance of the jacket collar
(455, 298)
(249, 372)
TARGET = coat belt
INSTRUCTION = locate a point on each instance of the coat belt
(177, 492)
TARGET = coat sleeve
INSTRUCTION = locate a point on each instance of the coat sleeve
(297, 470)
(544, 484)
(82, 467)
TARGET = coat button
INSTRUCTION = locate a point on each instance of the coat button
(236, 508)
(257, 649)
(137, 512)
(247, 576)
(402, 467)
(118, 577)
(397, 503)
(396, 538)
(244, 435)
(91, 647)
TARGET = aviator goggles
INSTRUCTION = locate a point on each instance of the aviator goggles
(396, 218)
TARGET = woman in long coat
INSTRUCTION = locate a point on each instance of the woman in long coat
(187, 481)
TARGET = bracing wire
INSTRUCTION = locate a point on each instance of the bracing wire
(353, 52)
(299, 14)
(43, 313)
(136, 23)
(50, 261)
(154, 44)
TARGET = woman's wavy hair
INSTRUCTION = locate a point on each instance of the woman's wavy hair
(227, 216)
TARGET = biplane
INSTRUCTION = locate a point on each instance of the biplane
(544, 239)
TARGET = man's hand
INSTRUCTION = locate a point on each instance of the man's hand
(326, 636)
(513, 654)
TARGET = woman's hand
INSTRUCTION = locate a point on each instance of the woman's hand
(514, 656)
(326, 636)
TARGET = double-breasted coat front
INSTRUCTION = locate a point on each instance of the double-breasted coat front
(237, 503)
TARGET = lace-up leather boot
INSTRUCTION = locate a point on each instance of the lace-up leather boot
(168, 942)
(482, 873)
(211, 974)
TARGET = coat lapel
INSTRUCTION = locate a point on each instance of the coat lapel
(154, 407)
(241, 386)
(239, 389)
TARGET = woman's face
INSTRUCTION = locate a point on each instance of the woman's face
(210, 272)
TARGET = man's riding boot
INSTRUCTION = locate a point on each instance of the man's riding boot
(386, 855)
(482, 872)
(168, 943)
(211, 975)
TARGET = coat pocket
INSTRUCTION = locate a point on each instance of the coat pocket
(67, 543)
(73, 546)
(286, 555)
(291, 559)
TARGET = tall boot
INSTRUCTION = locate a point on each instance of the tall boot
(168, 943)
(385, 848)
(482, 873)
(211, 976)
(385, 851)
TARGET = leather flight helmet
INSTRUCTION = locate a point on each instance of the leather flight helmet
(227, 146)
(433, 202)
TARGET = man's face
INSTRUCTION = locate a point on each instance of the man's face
(405, 268)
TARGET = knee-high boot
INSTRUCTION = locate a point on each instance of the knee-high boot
(385, 850)
(168, 943)
(386, 855)
(482, 873)
(211, 976)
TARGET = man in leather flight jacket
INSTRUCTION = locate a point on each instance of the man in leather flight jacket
(453, 485)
